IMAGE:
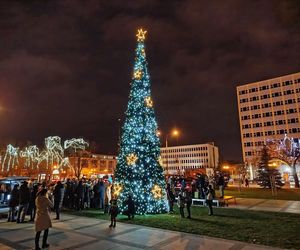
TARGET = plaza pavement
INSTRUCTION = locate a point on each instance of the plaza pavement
(74, 232)
(266, 205)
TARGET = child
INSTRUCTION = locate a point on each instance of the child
(180, 203)
(114, 210)
(210, 195)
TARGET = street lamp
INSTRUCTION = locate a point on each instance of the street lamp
(173, 133)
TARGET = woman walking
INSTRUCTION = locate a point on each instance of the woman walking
(43, 221)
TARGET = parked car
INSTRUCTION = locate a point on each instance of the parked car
(6, 185)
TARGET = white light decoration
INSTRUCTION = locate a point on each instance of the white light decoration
(53, 152)
(31, 155)
(10, 158)
(288, 151)
(76, 143)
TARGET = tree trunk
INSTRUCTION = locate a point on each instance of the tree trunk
(78, 168)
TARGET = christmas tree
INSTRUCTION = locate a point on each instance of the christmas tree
(267, 174)
(139, 172)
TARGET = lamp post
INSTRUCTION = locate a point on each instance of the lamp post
(174, 133)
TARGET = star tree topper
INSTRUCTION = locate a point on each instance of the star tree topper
(141, 35)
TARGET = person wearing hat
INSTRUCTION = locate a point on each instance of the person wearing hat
(24, 198)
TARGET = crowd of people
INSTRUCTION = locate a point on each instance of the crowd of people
(36, 200)
(202, 187)
(83, 194)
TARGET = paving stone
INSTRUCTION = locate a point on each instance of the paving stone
(146, 237)
(108, 245)
(196, 243)
(62, 240)
(75, 223)
(103, 229)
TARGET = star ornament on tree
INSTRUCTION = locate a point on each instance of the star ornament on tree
(157, 192)
(138, 74)
(131, 159)
(160, 161)
(141, 35)
(117, 189)
(149, 102)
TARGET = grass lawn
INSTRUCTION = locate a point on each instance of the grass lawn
(260, 193)
(267, 228)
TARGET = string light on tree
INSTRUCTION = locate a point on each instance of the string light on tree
(143, 53)
(139, 139)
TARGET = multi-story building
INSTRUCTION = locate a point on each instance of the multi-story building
(190, 159)
(268, 109)
(95, 165)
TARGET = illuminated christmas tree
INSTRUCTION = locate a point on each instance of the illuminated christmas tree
(139, 172)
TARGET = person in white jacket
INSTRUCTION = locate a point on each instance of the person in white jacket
(43, 220)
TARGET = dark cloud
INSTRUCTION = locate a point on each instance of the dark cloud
(65, 66)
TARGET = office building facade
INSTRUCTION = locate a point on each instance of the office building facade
(268, 109)
(189, 159)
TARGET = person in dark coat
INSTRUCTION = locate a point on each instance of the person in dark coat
(201, 186)
(68, 194)
(113, 211)
(170, 197)
(96, 201)
(101, 194)
(79, 196)
(24, 198)
(188, 201)
(13, 203)
(58, 194)
(221, 184)
(32, 207)
(180, 203)
(130, 212)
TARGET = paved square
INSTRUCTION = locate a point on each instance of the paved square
(75, 232)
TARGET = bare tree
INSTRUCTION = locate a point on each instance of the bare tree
(288, 151)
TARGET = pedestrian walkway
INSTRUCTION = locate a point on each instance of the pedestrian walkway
(74, 232)
(267, 205)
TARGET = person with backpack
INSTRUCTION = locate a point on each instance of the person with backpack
(210, 195)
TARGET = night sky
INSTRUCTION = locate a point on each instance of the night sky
(65, 66)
